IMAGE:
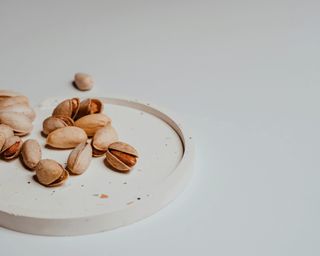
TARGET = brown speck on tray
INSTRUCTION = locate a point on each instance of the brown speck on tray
(131, 202)
(125, 183)
(95, 194)
(82, 185)
(138, 198)
(104, 196)
(29, 182)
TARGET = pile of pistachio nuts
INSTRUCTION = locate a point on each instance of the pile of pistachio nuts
(77, 125)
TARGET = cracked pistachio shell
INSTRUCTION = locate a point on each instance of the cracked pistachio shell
(31, 153)
(68, 107)
(91, 123)
(121, 156)
(90, 106)
(11, 147)
(6, 130)
(20, 123)
(50, 173)
(102, 139)
(20, 108)
(2, 140)
(80, 158)
(66, 137)
(83, 82)
(9, 101)
(55, 122)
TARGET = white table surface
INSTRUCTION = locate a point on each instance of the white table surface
(243, 74)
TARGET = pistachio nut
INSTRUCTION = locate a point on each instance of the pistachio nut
(80, 158)
(30, 153)
(91, 123)
(68, 107)
(20, 123)
(66, 137)
(11, 147)
(50, 173)
(102, 139)
(6, 130)
(9, 101)
(20, 108)
(83, 81)
(121, 156)
(55, 122)
(89, 106)
(2, 140)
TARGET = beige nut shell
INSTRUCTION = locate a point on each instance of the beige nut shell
(91, 123)
(66, 137)
(103, 138)
(50, 173)
(80, 158)
(115, 162)
(90, 106)
(20, 123)
(13, 146)
(68, 107)
(31, 153)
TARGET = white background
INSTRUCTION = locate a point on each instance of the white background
(245, 77)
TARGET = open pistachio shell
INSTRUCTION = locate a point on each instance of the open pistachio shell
(20, 108)
(66, 137)
(91, 123)
(68, 107)
(89, 106)
(11, 147)
(20, 123)
(31, 153)
(9, 101)
(6, 130)
(102, 139)
(80, 158)
(121, 156)
(50, 173)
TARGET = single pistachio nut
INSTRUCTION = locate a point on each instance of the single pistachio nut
(11, 147)
(6, 130)
(31, 153)
(89, 106)
(55, 122)
(2, 140)
(91, 123)
(121, 156)
(20, 108)
(9, 101)
(50, 173)
(83, 82)
(79, 158)
(68, 107)
(102, 139)
(20, 123)
(66, 137)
